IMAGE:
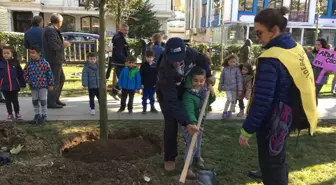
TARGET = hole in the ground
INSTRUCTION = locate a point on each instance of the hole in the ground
(123, 145)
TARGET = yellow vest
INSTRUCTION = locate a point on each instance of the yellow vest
(299, 67)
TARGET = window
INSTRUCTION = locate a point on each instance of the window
(299, 10)
(323, 7)
(275, 3)
(69, 23)
(22, 21)
(333, 10)
(84, 3)
(204, 10)
(90, 24)
(309, 37)
(261, 5)
(246, 5)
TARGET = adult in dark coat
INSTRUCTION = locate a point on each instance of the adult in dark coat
(173, 66)
(53, 46)
(244, 53)
(119, 53)
(33, 36)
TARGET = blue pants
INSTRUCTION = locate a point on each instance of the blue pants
(92, 94)
(148, 94)
(188, 138)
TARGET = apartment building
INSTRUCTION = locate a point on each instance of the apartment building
(16, 14)
(204, 18)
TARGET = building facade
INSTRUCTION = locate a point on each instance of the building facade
(16, 14)
(238, 19)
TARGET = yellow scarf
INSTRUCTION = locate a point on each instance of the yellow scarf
(299, 67)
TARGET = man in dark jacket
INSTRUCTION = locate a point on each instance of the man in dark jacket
(119, 53)
(33, 36)
(53, 47)
(173, 66)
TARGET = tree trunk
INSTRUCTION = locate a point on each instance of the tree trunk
(102, 79)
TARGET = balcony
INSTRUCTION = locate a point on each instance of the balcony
(216, 21)
(203, 22)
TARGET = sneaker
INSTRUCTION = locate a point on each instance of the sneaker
(93, 112)
(210, 109)
(121, 110)
(169, 166)
(191, 175)
(18, 116)
(42, 120)
(229, 115)
(241, 113)
(224, 115)
(130, 111)
(10, 117)
(36, 118)
(153, 109)
(255, 174)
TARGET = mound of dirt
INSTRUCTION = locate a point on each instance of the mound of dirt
(112, 149)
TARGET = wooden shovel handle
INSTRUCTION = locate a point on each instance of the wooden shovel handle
(193, 141)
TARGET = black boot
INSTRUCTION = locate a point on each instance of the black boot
(58, 102)
(54, 106)
(255, 174)
(144, 109)
(153, 109)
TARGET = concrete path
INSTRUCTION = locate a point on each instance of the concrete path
(78, 109)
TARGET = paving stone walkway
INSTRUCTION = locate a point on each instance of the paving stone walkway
(78, 109)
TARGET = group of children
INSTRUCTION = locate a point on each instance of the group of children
(236, 81)
(37, 74)
(131, 80)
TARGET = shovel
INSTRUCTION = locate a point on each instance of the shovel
(192, 144)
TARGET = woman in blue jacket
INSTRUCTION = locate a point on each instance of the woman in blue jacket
(283, 93)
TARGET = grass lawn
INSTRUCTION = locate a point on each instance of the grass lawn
(73, 84)
(311, 162)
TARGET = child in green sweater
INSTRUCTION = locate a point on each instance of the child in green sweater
(193, 99)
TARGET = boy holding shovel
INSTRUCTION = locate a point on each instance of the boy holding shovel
(193, 99)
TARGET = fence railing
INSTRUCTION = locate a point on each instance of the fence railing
(77, 52)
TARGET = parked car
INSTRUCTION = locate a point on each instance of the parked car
(81, 37)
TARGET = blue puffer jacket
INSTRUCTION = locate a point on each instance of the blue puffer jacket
(273, 85)
(90, 76)
(130, 79)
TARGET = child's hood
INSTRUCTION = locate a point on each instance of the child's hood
(188, 82)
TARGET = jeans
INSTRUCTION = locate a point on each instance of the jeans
(124, 94)
(39, 98)
(116, 88)
(12, 97)
(92, 94)
(148, 94)
(231, 100)
(274, 169)
(188, 138)
(54, 95)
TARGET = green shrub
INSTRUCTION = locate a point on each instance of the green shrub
(16, 40)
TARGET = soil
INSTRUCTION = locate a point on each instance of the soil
(112, 149)
(125, 159)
